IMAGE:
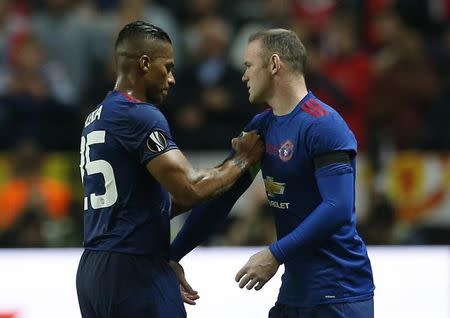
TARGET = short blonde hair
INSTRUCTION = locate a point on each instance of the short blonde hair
(285, 43)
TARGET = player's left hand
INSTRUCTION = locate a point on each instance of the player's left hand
(188, 294)
(259, 269)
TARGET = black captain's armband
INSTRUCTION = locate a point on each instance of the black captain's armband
(330, 158)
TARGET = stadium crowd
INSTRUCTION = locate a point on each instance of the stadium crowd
(383, 64)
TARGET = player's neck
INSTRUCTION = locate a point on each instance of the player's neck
(287, 96)
(126, 85)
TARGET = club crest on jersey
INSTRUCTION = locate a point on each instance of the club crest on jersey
(286, 150)
(156, 141)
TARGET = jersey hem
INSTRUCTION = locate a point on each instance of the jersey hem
(124, 252)
(328, 301)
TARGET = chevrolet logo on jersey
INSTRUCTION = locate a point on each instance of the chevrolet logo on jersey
(273, 187)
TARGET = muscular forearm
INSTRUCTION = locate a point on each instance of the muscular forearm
(189, 186)
(221, 178)
(211, 183)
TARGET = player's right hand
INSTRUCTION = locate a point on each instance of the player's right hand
(188, 294)
(249, 146)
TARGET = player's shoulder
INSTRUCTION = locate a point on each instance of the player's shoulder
(313, 109)
(259, 120)
(325, 127)
(262, 116)
(122, 105)
(315, 112)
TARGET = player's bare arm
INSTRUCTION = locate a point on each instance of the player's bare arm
(189, 186)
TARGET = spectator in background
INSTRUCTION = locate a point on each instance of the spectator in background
(194, 12)
(29, 199)
(111, 22)
(427, 17)
(33, 72)
(438, 132)
(12, 25)
(68, 37)
(26, 231)
(316, 13)
(369, 11)
(276, 14)
(35, 99)
(247, 10)
(404, 92)
(210, 102)
(350, 69)
(320, 84)
(404, 86)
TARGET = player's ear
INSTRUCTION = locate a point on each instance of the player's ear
(144, 63)
(275, 63)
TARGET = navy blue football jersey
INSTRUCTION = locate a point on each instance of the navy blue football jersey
(339, 269)
(125, 209)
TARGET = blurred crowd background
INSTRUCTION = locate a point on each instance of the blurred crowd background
(383, 64)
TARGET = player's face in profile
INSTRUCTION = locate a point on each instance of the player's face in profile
(256, 75)
(160, 78)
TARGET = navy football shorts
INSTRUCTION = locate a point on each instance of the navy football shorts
(359, 309)
(114, 285)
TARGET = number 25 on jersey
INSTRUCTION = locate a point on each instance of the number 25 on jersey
(102, 167)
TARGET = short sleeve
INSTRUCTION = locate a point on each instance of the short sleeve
(146, 133)
(327, 134)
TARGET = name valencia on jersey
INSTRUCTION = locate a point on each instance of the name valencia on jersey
(93, 116)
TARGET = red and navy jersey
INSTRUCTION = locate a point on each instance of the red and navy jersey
(125, 209)
(338, 268)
